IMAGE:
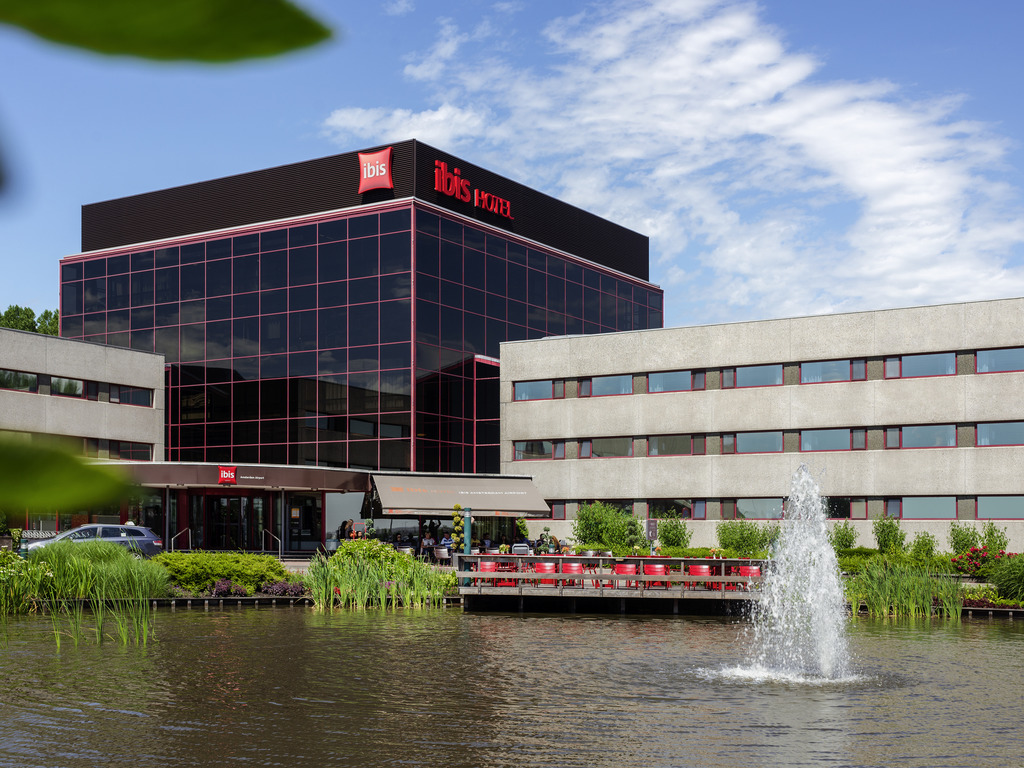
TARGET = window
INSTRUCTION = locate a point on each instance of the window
(669, 445)
(700, 509)
(131, 395)
(1001, 507)
(859, 509)
(836, 507)
(1003, 433)
(929, 508)
(929, 436)
(539, 390)
(759, 509)
(669, 508)
(998, 360)
(830, 370)
(892, 438)
(558, 510)
(602, 386)
(892, 507)
(913, 366)
(752, 376)
(699, 445)
(675, 381)
(16, 380)
(127, 451)
(530, 450)
(825, 440)
(67, 387)
(858, 370)
(606, 447)
(728, 443)
(858, 439)
(758, 442)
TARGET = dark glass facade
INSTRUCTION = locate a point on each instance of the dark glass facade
(367, 338)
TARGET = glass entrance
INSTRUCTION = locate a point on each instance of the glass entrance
(227, 521)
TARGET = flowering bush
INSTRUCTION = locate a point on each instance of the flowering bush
(978, 561)
(284, 589)
(227, 588)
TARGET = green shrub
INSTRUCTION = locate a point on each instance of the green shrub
(197, 572)
(852, 560)
(994, 538)
(962, 537)
(746, 537)
(842, 536)
(673, 533)
(922, 549)
(1007, 574)
(889, 537)
(604, 527)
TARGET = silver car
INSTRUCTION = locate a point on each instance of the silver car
(139, 539)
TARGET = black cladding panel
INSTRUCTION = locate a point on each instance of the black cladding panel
(332, 183)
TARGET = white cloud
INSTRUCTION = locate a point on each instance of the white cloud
(399, 7)
(766, 189)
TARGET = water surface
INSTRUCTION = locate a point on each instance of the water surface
(291, 687)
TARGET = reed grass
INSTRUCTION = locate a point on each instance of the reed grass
(890, 588)
(362, 583)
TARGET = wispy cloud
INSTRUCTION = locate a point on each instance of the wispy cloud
(766, 188)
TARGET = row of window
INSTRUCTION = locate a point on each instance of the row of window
(20, 381)
(845, 439)
(905, 366)
(905, 507)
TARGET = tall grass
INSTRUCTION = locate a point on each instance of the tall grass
(360, 582)
(64, 579)
(890, 588)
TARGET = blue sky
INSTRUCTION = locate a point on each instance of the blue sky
(786, 157)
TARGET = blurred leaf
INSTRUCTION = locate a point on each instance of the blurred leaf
(194, 30)
(40, 477)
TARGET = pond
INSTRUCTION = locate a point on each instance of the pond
(291, 687)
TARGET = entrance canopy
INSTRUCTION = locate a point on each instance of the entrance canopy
(436, 495)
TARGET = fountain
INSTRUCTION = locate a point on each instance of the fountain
(799, 627)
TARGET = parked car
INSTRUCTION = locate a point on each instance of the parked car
(137, 538)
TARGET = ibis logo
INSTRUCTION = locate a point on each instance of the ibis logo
(227, 475)
(375, 170)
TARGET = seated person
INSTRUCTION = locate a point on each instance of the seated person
(446, 539)
(427, 541)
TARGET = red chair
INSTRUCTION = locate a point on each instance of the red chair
(546, 568)
(655, 569)
(751, 572)
(486, 566)
(699, 570)
(576, 569)
(625, 569)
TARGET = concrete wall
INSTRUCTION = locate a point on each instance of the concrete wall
(962, 400)
(75, 417)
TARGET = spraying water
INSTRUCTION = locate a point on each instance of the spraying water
(800, 623)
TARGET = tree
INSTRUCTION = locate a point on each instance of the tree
(48, 322)
(24, 319)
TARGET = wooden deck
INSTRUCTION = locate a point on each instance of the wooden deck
(517, 584)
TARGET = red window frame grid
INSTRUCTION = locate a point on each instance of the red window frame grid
(886, 359)
(659, 455)
(556, 385)
(851, 362)
(128, 386)
(693, 382)
(735, 443)
(557, 447)
(987, 373)
(34, 391)
(996, 445)
(589, 443)
(588, 384)
(735, 368)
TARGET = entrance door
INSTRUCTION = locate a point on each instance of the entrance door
(226, 521)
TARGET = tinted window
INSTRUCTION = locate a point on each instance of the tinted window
(669, 381)
(759, 509)
(759, 442)
(611, 385)
(668, 445)
(1005, 433)
(929, 507)
(930, 436)
(758, 375)
(942, 364)
(825, 440)
(994, 360)
(1005, 507)
(829, 370)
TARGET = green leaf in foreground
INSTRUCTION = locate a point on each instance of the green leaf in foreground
(193, 30)
(39, 477)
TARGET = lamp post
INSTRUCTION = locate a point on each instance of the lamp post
(467, 533)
